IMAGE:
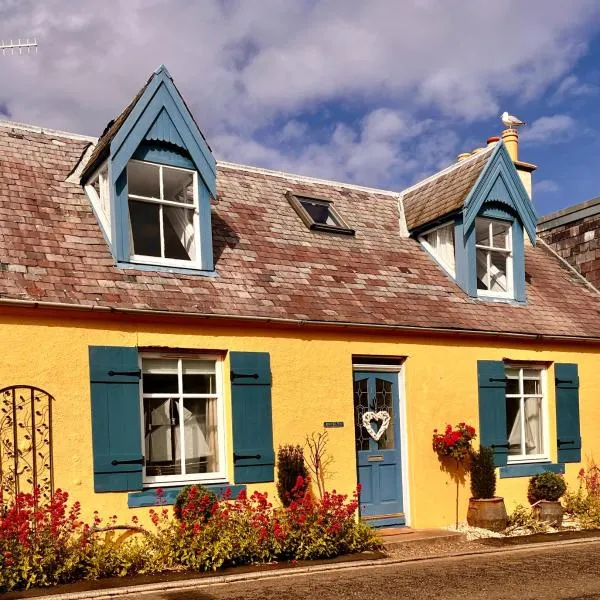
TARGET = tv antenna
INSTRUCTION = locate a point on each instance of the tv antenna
(19, 45)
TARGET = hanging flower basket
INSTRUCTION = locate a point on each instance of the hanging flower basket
(454, 442)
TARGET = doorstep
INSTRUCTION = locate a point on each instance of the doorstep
(397, 537)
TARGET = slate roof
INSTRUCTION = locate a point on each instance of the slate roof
(444, 192)
(268, 264)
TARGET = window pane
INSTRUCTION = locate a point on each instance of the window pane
(145, 228)
(497, 275)
(512, 386)
(483, 279)
(200, 435)
(320, 213)
(500, 232)
(533, 426)
(482, 232)
(384, 401)
(531, 386)
(178, 228)
(513, 425)
(160, 376)
(143, 179)
(199, 377)
(178, 185)
(442, 243)
(161, 436)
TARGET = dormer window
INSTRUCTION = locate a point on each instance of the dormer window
(493, 244)
(440, 243)
(163, 213)
(319, 214)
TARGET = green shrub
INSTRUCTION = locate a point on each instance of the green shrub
(546, 486)
(584, 504)
(290, 467)
(483, 473)
(195, 503)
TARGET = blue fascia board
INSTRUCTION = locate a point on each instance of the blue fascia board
(500, 165)
(161, 93)
(148, 497)
(530, 469)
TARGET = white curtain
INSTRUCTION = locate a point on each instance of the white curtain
(159, 439)
(533, 427)
(183, 226)
(445, 247)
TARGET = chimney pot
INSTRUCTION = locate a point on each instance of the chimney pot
(463, 155)
(510, 137)
(492, 140)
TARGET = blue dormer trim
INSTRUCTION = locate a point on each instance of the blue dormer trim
(499, 184)
(161, 112)
(160, 129)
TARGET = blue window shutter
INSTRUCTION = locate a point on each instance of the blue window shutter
(567, 412)
(492, 408)
(116, 432)
(253, 454)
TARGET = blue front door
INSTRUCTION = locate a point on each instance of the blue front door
(378, 453)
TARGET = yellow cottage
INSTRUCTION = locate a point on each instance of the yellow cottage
(168, 319)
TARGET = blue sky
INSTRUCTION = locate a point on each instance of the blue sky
(378, 93)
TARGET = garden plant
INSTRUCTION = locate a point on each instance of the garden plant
(44, 543)
(290, 466)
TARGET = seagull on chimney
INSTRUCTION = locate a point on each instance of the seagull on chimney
(511, 121)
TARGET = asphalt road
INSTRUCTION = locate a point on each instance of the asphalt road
(566, 572)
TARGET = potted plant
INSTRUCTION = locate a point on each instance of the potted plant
(486, 510)
(544, 493)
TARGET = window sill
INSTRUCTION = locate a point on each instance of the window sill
(165, 269)
(530, 469)
(148, 497)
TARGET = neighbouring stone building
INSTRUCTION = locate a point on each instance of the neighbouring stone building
(574, 234)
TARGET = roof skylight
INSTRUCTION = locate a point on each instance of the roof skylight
(318, 214)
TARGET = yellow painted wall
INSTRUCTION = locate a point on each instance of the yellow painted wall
(312, 383)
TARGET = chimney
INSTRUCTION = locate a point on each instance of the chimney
(510, 137)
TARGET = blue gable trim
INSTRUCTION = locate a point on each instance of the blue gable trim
(500, 184)
(161, 129)
(161, 99)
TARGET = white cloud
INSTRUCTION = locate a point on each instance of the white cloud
(243, 65)
(572, 87)
(546, 185)
(552, 130)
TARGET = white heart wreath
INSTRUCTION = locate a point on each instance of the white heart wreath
(382, 416)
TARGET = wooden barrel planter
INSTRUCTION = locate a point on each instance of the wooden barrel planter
(549, 512)
(487, 513)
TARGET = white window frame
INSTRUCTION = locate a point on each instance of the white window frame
(97, 203)
(422, 238)
(544, 457)
(194, 262)
(217, 477)
(510, 293)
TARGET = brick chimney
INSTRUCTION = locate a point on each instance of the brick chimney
(510, 137)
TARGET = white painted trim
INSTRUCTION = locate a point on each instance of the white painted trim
(219, 476)
(94, 199)
(403, 424)
(46, 131)
(303, 178)
(404, 462)
(535, 458)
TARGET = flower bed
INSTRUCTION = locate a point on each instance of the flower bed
(46, 543)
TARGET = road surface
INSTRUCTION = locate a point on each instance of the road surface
(565, 572)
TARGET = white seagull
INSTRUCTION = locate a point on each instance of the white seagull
(511, 121)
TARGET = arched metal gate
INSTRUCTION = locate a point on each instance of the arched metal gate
(26, 460)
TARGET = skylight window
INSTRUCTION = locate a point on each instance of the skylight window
(319, 214)
(162, 213)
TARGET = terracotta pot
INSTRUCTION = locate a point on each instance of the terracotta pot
(549, 512)
(487, 513)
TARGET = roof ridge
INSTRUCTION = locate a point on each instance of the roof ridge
(305, 178)
(47, 131)
(447, 170)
